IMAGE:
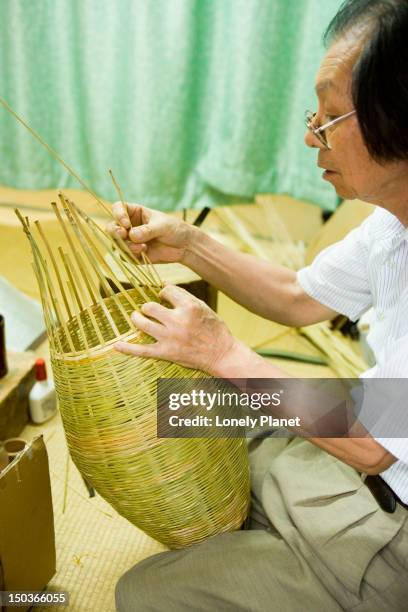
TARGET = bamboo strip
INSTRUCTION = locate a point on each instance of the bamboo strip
(93, 249)
(49, 284)
(342, 358)
(77, 257)
(146, 260)
(71, 289)
(48, 322)
(130, 275)
(56, 270)
(68, 271)
(91, 256)
(234, 224)
(54, 154)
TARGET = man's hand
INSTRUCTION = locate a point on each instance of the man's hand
(189, 332)
(161, 237)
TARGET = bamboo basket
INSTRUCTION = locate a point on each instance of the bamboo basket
(178, 491)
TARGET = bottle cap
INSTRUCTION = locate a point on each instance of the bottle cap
(40, 370)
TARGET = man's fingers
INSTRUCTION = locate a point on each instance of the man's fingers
(116, 230)
(157, 311)
(176, 296)
(146, 232)
(137, 350)
(121, 214)
(146, 325)
(136, 248)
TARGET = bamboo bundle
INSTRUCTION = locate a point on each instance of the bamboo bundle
(179, 491)
(340, 355)
(275, 241)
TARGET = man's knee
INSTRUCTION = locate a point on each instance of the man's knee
(130, 590)
(145, 586)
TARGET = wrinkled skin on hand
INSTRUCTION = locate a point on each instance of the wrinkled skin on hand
(188, 332)
(161, 237)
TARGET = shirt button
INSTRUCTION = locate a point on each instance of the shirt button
(381, 316)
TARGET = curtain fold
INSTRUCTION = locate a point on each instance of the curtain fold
(190, 102)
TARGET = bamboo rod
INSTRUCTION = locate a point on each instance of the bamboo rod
(76, 282)
(132, 278)
(82, 272)
(128, 255)
(97, 232)
(122, 242)
(74, 250)
(92, 247)
(100, 300)
(61, 320)
(151, 269)
(71, 289)
(44, 304)
(54, 154)
(70, 279)
(51, 291)
(54, 264)
(44, 292)
(91, 254)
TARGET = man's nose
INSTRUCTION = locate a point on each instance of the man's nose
(312, 141)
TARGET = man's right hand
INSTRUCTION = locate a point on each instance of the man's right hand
(161, 237)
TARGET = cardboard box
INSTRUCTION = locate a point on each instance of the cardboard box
(27, 540)
(14, 390)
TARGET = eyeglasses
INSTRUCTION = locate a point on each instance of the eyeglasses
(319, 132)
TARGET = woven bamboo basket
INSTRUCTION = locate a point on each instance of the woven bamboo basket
(178, 491)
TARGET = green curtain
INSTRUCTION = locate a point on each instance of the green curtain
(190, 102)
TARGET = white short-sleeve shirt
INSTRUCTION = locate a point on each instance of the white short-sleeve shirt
(369, 268)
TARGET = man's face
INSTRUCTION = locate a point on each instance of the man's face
(348, 165)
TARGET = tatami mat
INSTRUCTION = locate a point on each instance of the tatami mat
(94, 544)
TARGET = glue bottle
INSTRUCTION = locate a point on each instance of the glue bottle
(3, 355)
(42, 398)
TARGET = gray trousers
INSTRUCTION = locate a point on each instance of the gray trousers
(317, 542)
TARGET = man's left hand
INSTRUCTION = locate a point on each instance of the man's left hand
(188, 332)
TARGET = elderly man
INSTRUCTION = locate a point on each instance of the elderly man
(318, 538)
